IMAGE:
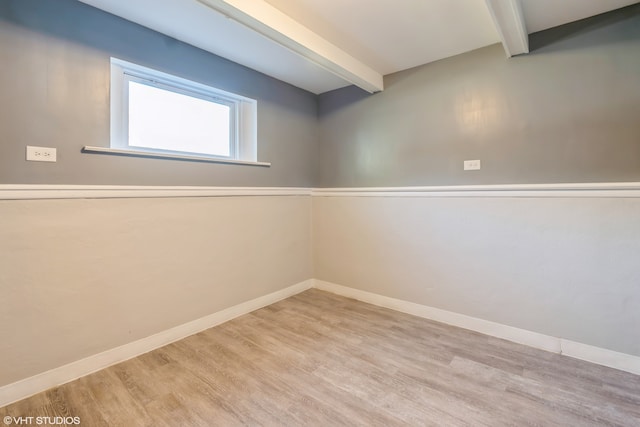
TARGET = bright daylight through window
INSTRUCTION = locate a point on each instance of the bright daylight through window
(154, 112)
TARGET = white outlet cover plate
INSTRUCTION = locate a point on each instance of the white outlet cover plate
(41, 154)
(472, 165)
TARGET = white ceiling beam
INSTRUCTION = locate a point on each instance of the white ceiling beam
(509, 20)
(260, 16)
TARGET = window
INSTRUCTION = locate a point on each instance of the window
(156, 113)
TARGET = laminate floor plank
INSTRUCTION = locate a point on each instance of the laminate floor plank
(319, 359)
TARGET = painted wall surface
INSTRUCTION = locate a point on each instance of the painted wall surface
(564, 267)
(567, 112)
(78, 277)
(54, 87)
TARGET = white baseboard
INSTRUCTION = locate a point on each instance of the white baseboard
(24, 388)
(589, 353)
(601, 356)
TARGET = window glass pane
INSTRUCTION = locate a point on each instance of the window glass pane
(167, 120)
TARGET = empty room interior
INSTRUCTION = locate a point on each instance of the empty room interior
(312, 212)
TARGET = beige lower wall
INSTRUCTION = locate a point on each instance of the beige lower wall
(564, 267)
(78, 277)
(81, 276)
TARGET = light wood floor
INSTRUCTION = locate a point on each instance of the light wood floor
(324, 360)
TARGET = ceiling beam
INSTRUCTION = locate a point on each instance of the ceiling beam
(260, 16)
(509, 21)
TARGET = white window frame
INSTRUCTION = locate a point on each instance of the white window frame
(243, 112)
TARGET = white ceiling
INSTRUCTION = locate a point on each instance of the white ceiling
(380, 36)
(393, 35)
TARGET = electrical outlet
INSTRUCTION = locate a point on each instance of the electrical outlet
(41, 154)
(472, 165)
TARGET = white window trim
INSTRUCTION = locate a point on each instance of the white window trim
(152, 155)
(244, 148)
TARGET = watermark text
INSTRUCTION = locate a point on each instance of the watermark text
(41, 421)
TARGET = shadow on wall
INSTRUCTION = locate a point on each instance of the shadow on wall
(341, 97)
(595, 30)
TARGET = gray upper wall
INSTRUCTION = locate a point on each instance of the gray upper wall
(54, 92)
(567, 112)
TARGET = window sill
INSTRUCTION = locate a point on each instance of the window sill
(131, 153)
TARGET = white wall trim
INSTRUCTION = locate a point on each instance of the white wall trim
(565, 190)
(27, 387)
(589, 353)
(156, 155)
(33, 192)
(570, 190)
